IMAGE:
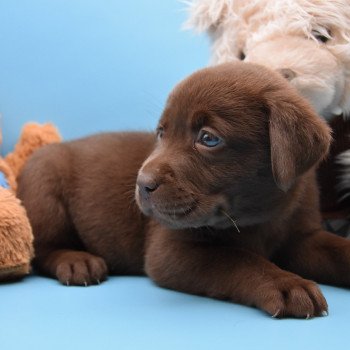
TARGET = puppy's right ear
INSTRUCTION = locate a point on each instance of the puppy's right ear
(299, 138)
(206, 15)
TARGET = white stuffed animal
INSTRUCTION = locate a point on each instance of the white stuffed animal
(308, 41)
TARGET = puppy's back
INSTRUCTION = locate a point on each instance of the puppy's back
(84, 186)
(104, 157)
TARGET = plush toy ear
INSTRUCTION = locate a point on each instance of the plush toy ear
(299, 138)
(206, 14)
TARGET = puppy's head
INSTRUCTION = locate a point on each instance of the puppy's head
(232, 142)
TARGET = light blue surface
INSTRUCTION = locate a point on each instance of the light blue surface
(100, 65)
(132, 313)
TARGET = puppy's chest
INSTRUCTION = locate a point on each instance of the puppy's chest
(264, 241)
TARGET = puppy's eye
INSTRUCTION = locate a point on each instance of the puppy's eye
(208, 139)
(160, 132)
(322, 37)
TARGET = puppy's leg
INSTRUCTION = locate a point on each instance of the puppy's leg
(320, 256)
(228, 273)
(58, 249)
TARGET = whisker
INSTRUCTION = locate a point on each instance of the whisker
(233, 221)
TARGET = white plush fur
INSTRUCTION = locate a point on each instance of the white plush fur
(285, 34)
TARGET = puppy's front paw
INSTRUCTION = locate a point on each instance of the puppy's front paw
(81, 269)
(293, 296)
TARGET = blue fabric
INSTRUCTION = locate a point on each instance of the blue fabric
(3, 181)
(132, 313)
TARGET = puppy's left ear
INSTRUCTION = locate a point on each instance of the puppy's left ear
(299, 138)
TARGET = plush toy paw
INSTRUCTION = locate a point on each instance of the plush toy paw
(16, 238)
(14, 273)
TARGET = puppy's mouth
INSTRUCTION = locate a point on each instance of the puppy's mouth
(190, 213)
(176, 211)
(172, 215)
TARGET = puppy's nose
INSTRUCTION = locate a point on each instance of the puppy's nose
(287, 73)
(147, 183)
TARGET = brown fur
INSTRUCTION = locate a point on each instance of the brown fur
(80, 198)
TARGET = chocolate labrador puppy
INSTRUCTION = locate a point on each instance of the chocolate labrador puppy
(226, 199)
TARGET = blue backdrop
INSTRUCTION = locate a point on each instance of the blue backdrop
(91, 65)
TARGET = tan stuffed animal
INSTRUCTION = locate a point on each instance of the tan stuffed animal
(16, 238)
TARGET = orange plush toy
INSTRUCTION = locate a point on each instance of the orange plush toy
(16, 238)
